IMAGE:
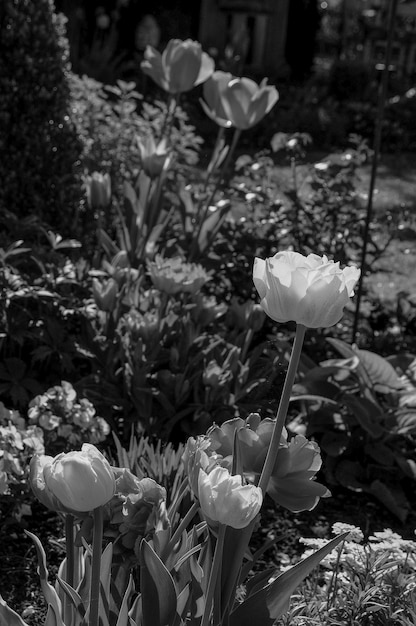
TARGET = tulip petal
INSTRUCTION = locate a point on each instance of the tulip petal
(153, 67)
(259, 277)
(183, 70)
(206, 69)
(296, 494)
(261, 104)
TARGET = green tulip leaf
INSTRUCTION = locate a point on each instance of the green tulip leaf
(124, 609)
(235, 548)
(266, 605)
(52, 618)
(8, 617)
(73, 596)
(51, 597)
(157, 587)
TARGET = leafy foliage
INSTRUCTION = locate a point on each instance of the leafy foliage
(361, 409)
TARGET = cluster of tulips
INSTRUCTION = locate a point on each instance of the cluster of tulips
(228, 100)
(187, 567)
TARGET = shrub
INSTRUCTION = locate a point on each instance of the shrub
(39, 148)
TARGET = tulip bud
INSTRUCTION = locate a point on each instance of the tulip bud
(98, 190)
(224, 499)
(105, 296)
(155, 158)
(307, 290)
(82, 480)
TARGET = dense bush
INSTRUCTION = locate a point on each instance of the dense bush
(39, 147)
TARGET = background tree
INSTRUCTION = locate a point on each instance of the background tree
(39, 147)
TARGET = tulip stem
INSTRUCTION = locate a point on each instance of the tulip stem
(233, 146)
(69, 546)
(282, 410)
(96, 567)
(213, 576)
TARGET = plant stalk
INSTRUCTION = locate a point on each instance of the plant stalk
(282, 410)
(213, 576)
(96, 567)
(69, 546)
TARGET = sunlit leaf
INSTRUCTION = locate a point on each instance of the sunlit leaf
(266, 605)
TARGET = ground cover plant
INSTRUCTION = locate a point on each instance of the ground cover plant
(149, 326)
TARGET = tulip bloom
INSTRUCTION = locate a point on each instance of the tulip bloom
(291, 483)
(238, 102)
(81, 481)
(154, 157)
(180, 67)
(214, 90)
(224, 499)
(175, 276)
(311, 290)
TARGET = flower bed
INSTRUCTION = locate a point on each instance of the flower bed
(181, 310)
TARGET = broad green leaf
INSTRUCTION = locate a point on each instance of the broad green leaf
(351, 474)
(334, 443)
(367, 414)
(349, 352)
(158, 589)
(8, 617)
(317, 388)
(408, 466)
(382, 374)
(395, 500)
(266, 605)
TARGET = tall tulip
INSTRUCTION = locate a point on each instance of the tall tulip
(180, 67)
(238, 102)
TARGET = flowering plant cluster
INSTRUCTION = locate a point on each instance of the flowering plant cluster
(357, 580)
(190, 572)
(18, 442)
(65, 419)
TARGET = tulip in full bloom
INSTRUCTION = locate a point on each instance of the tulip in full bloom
(311, 291)
(80, 481)
(292, 483)
(155, 158)
(238, 102)
(180, 67)
(175, 275)
(224, 499)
